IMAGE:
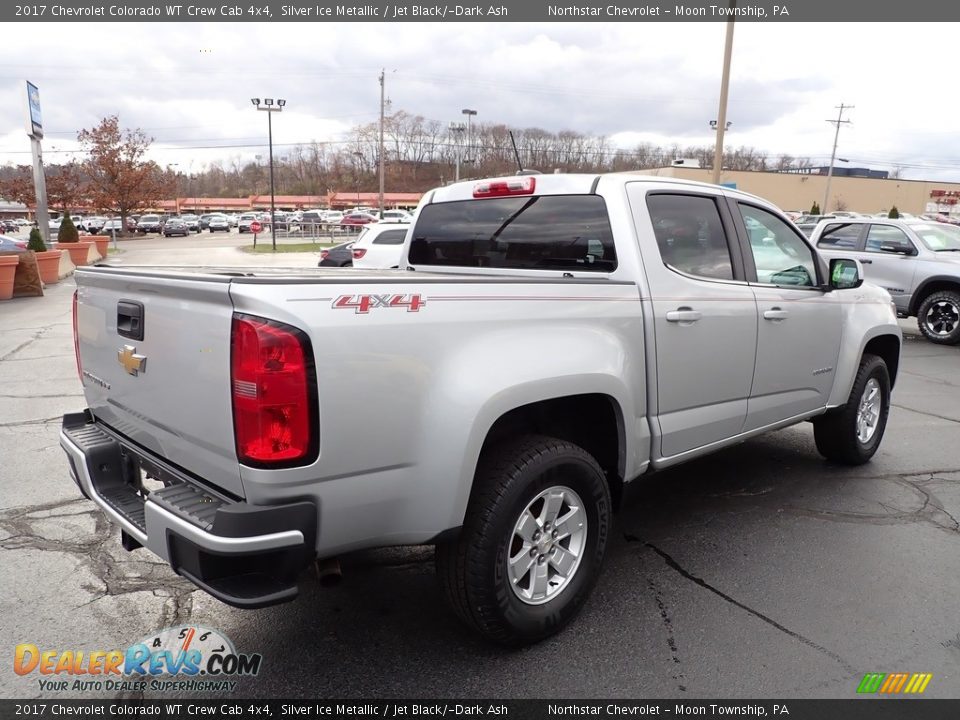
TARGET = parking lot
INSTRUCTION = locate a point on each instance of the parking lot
(760, 571)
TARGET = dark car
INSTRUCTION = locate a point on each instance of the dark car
(175, 226)
(149, 223)
(9, 244)
(337, 256)
(205, 221)
(9, 226)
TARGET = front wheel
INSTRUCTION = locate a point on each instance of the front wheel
(532, 543)
(938, 317)
(852, 434)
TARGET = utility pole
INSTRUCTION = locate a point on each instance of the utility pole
(833, 156)
(456, 131)
(724, 88)
(381, 142)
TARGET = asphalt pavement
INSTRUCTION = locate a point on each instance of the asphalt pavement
(760, 571)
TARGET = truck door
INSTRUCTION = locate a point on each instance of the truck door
(704, 314)
(799, 324)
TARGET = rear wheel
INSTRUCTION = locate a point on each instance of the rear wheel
(532, 543)
(852, 434)
(938, 317)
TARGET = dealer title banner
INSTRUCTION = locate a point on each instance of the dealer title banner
(511, 11)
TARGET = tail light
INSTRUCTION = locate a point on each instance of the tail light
(500, 188)
(358, 253)
(274, 393)
(324, 254)
(76, 338)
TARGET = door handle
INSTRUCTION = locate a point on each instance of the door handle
(866, 262)
(683, 315)
(775, 313)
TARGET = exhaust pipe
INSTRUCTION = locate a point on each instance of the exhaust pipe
(328, 572)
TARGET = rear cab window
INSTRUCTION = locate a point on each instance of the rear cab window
(538, 232)
(840, 236)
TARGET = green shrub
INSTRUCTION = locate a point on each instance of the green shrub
(68, 231)
(815, 208)
(36, 241)
(894, 213)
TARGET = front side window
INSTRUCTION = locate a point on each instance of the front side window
(690, 235)
(547, 232)
(840, 236)
(779, 254)
(887, 236)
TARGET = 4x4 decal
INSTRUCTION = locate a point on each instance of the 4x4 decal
(362, 304)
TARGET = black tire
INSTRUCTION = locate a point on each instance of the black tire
(473, 568)
(836, 432)
(938, 317)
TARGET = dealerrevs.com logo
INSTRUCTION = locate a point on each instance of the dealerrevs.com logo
(894, 683)
(190, 658)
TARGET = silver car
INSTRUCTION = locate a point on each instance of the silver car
(916, 261)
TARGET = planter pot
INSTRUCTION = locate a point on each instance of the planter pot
(78, 252)
(49, 265)
(102, 244)
(8, 266)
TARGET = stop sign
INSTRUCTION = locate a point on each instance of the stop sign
(255, 227)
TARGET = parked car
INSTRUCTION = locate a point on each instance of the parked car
(9, 244)
(175, 226)
(916, 261)
(111, 226)
(396, 216)
(543, 353)
(149, 223)
(232, 218)
(332, 217)
(204, 220)
(93, 224)
(356, 220)
(380, 245)
(194, 223)
(336, 256)
(218, 223)
(9, 226)
(243, 224)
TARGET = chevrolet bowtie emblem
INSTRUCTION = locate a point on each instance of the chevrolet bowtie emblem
(131, 361)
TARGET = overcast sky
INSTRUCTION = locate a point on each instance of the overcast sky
(189, 85)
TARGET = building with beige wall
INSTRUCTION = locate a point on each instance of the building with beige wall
(791, 191)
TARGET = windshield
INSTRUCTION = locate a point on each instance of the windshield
(938, 236)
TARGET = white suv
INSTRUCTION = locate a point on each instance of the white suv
(380, 245)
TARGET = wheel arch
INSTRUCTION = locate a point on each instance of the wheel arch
(937, 283)
(886, 347)
(594, 421)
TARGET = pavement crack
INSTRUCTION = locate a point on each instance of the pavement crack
(41, 421)
(928, 414)
(36, 336)
(674, 565)
(671, 639)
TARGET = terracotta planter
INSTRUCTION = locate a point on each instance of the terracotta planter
(49, 264)
(8, 266)
(102, 244)
(78, 252)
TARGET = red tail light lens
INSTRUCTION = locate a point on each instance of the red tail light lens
(358, 253)
(324, 254)
(274, 393)
(76, 338)
(500, 188)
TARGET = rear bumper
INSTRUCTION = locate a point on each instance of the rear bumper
(244, 555)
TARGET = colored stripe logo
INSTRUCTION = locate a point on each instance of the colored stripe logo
(895, 683)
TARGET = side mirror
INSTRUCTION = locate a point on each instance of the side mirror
(898, 249)
(845, 274)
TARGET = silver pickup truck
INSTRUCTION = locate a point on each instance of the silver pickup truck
(546, 340)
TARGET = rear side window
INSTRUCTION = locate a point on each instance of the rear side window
(390, 237)
(690, 235)
(549, 232)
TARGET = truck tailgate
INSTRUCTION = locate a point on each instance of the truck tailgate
(164, 385)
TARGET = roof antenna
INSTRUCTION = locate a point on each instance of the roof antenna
(520, 170)
(516, 154)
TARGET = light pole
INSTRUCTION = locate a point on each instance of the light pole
(359, 155)
(833, 156)
(721, 125)
(469, 113)
(270, 108)
(456, 129)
